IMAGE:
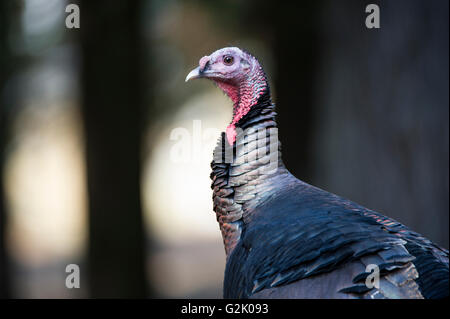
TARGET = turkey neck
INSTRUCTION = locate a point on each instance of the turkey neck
(244, 174)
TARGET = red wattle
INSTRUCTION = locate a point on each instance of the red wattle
(244, 92)
(231, 134)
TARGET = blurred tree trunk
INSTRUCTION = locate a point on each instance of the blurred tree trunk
(113, 98)
(5, 63)
(291, 30)
(382, 95)
(296, 60)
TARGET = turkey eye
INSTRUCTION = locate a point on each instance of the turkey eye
(228, 60)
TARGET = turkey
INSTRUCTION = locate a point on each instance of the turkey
(284, 238)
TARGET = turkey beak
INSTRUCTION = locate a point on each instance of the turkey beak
(194, 74)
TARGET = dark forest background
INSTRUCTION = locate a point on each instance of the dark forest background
(363, 113)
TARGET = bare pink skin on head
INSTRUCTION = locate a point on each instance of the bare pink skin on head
(243, 81)
(203, 61)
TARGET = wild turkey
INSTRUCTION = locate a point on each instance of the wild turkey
(287, 239)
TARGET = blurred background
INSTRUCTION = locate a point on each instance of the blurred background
(105, 151)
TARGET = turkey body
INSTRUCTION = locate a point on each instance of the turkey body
(285, 238)
(308, 243)
(288, 239)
